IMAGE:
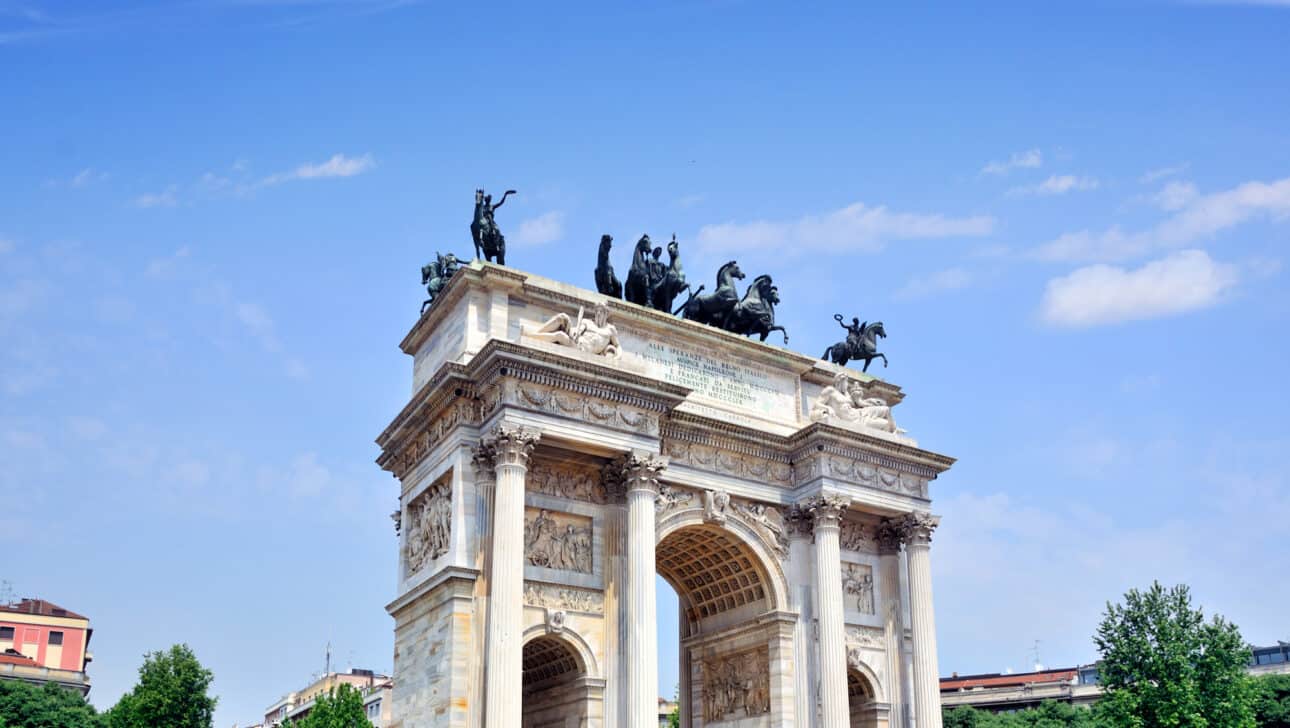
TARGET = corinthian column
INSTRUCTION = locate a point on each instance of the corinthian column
(827, 513)
(889, 537)
(640, 471)
(918, 529)
(504, 681)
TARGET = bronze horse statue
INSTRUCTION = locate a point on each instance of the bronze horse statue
(489, 241)
(638, 289)
(861, 343)
(436, 274)
(712, 308)
(755, 313)
(606, 282)
(673, 281)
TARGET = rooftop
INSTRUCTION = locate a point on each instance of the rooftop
(40, 607)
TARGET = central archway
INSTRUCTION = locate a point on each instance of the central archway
(724, 589)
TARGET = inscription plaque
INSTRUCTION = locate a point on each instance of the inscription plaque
(728, 380)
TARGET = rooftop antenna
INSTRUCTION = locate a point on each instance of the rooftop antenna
(327, 665)
(1039, 666)
(6, 592)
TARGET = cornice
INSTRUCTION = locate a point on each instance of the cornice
(820, 437)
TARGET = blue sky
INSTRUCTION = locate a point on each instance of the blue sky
(1073, 219)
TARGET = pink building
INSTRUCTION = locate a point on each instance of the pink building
(42, 642)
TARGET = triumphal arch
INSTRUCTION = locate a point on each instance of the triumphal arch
(560, 448)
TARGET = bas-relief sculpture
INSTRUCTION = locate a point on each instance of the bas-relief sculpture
(716, 504)
(736, 686)
(429, 527)
(769, 520)
(557, 541)
(670, 498)
(594, 336)
(857, 583)
(566, 598)
(581, 484)
(856, 536)
(489, 241)
(861, 343)
(845, 401)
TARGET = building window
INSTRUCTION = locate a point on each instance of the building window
(6, 633)
(55, 638)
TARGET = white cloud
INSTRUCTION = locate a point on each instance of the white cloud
(1155, 175)
(1029, 159)
(6, 245)
(254, 318)
(1058, 185)
(950, 279)
(167, 198)
(338, 166)
(544, 228)
(856, 227)
(1200, 217)
(1104, 294)
(88, 176)
(1175, 196)
(165, 267)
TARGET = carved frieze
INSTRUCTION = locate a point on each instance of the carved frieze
(429, 527)
(419, 446)
(857, 585)
(870, 637)
(557, 540)
(572, 482)
(860, 472)
(555, 401)
(726, 462)
(563, 598)
(736, 686)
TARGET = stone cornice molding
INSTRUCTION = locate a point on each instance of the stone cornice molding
(826, 511)
(511, 445)
(821, 437)
(917, 527)
(475, 276)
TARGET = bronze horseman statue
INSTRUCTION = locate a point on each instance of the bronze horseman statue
(435, 275)
(489, 242)
(861, 343)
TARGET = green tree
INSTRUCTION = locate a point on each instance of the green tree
(171, 693)
(48, 706)
(340, 707)
(1164, 666)
(1272, 701)
(1049, 714)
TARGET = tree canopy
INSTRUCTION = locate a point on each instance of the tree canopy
(1164, 666)
(1272, 701)
(1049, 714)
(48, 706)
(171, 693)
(340, 707)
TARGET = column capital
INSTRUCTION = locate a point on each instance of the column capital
(891, 534)
(826, 510)
(635, 470)
(482, 457)
(511, 444)
(800, 523)
(917, 527)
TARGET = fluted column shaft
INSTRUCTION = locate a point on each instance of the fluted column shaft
(889, 536)
(827, 512)
(927, 694)
(511, 448)
(640, 479)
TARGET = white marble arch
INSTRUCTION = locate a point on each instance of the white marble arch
(573, 640)
(770, 564)
(871, 676)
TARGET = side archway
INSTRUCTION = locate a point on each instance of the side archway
(557, 689)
